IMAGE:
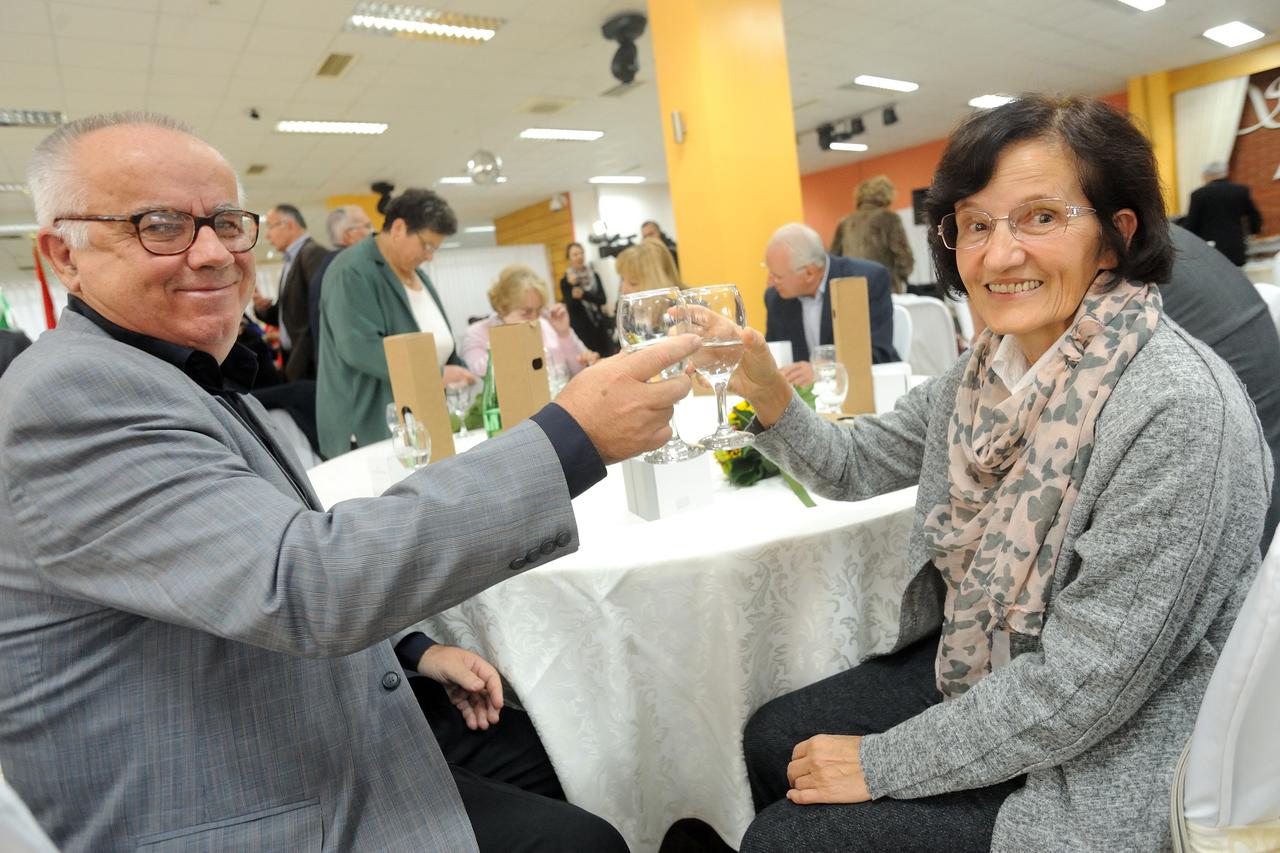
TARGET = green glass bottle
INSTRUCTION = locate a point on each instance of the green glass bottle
(489, 403)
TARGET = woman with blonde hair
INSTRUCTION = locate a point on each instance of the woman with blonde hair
(873, 232)
(520, 296)
(647, 265)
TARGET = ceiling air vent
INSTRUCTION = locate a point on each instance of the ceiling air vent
(335, 64)
(256, 169)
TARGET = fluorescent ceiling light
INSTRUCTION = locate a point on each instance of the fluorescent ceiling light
(1143, 5)
(358, 128)
(885, 83)
(451, 244)
(18, 230)
(479, 229)
(848, 146)
(561, 134)
(394, 19)
(13, 188)
(466, 179)
(616, 179)
(986, 102)
(1233, 34)
(30, 118)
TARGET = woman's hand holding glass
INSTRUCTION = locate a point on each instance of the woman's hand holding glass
(718, 315)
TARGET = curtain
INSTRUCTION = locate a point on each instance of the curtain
(1205, 122)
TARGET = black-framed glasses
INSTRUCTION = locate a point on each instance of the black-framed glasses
(171, 232)
(1043, 217)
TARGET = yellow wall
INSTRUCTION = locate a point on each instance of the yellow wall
(1151, 102)
(368, 202)
(723, 65)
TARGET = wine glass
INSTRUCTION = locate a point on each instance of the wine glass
(830, 386)
(718, 315)
(411, 442)
(822, 354)
(460, 396)
(647, 318)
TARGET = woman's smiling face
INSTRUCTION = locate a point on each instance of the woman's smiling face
(1030, 287)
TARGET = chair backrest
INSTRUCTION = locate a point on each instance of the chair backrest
(902, 332)
(19, 832)
(1270, 294)
(933, 336)
(1231, 777)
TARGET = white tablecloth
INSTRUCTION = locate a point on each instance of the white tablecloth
(641, 656)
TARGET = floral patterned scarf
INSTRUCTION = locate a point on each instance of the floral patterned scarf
(1016, 466)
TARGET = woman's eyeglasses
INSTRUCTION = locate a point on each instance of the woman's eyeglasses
(1044, 217)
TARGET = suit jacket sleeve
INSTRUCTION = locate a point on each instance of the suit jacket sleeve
(149, 502)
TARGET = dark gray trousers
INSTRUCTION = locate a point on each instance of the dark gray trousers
(871, 697)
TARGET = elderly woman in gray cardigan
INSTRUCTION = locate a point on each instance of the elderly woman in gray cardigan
(1092, 485)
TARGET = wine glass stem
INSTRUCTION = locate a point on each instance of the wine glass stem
(722, 403)
(675, 433)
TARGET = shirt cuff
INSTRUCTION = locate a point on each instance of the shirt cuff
(579, 459)
(410, 650)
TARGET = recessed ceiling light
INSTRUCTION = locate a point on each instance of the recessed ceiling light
(479, 229)
(13, 188)
(986, 102)
(359, 128)
(30, 118)
(848, 146)
(1143, 5)
(616, 179)
(885, 83)
(561, 134)
(414, 22)
(1233, 34)
(466, 179)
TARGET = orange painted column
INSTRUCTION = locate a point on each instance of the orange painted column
(368, 202)
(722, 65)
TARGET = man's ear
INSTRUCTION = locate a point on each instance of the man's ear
(61, 256)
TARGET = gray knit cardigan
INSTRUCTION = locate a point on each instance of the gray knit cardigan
(1159, 553)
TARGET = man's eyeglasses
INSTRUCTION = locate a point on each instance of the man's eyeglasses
(171, 232)
(1044, 217)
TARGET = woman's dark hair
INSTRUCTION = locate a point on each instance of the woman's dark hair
(1114, 164)
(569, 248)
(421, 210)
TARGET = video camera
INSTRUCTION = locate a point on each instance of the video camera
(611, 245)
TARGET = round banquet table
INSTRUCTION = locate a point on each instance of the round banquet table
(640, 656)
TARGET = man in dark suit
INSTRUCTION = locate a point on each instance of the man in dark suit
(12, 342)
(287, 232)
(799, 301)
(1218, 211)
(1218, 305)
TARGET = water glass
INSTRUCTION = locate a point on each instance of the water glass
(830, 386)
(411, 443)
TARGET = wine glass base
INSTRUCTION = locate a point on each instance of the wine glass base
(729, 439)
(673, 451)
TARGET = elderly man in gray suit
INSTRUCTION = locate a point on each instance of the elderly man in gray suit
(193, 654)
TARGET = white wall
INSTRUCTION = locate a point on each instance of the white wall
(918, 239)
(23, 295)
(622, 208)
(462, 277)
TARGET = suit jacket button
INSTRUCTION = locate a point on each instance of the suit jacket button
(532, 556)
(564, 539)
(391, 681)
(548, 546)
(517, 564)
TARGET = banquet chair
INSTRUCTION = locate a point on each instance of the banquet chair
(1226, 791)
(296, 437)
(1270, 294)
(933, 337)
(19, 832)
(902, 332)
(964, 320)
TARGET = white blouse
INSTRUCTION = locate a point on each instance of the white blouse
(429, 319)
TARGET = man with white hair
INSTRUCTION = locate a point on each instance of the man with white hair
(1219, 212)
(195, 653)
(799, 301)
(346, 225)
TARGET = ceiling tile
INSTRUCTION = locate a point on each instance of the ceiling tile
(121, 26)
(100, 55)
(219, 34)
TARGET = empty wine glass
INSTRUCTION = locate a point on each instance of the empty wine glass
(822, 354)
(830, 386)
(460, 396)
(718, 315)
(647, 318)
(411, 442)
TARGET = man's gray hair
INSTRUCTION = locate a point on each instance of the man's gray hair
(803, 244)
(338, 222)
(58, 188)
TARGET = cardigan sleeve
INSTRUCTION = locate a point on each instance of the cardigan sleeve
(1150, 576)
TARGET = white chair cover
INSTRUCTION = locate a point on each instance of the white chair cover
(296, 437)
(933, 337)
(19, 832)
(1227, 787)
(1270, 294)
(902, 333)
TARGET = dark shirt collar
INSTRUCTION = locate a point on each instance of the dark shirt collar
(236, 373)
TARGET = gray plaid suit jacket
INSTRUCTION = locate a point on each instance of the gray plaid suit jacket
(192, 655)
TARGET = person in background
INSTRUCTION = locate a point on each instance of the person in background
(873, 232)
(1220, 211)
(1092, 483)
(373, 290)
(798, 299)
(650, 230)
(520, 296)
(12, 342)
(646, 266)
(583, 294)
(346, 225)
(287, 232)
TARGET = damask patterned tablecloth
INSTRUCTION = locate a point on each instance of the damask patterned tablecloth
(641, 656)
